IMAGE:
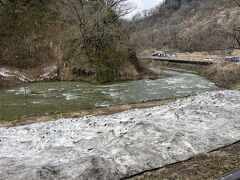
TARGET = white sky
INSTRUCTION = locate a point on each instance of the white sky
(143, 5)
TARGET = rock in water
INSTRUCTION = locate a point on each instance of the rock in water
(123, 144)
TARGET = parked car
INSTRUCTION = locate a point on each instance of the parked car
(158, 53)
(228, 58)
(232, 58)
(236, 59)
(163, 54)
(208, 59)
(171, 55)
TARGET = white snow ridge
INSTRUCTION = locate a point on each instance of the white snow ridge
(123, 144)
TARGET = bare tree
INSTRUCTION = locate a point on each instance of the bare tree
(98, 38)
(236, 26)
(96, 20)
(236, 34)
(28, 38)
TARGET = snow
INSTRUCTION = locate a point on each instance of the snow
(5, 72)
(123, 144)
(48, 73)
(14, 73)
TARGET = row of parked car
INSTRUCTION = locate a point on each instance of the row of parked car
(232, 58)
(172, 54)
(163, 54)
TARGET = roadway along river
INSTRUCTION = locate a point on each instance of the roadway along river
(52, 97)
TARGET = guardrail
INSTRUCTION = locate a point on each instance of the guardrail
(200, 62)
(189, 59)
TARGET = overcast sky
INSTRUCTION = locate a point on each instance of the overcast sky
(144, 4)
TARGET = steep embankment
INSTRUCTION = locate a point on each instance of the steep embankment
(11, 76)
(30, 39)
(36, 35)
(188, 25)
(122, 144)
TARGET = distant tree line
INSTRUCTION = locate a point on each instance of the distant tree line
(189, 25)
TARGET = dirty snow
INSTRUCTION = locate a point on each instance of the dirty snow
(5, 72)
(122, 144)
(14, 73)
(48, 73)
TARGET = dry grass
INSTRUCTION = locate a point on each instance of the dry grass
(204, 166)
(7, 82)
(224, 74)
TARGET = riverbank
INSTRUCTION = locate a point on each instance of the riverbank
(62, 97)
(205, 160)
(210, 165)
(207, 165)
(223, 74)
(93, 112)
(10, 76)
(114, 146)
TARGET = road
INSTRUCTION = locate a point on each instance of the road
(190, 59)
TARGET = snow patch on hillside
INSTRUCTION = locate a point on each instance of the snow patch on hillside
(47, 74)
(6, 73)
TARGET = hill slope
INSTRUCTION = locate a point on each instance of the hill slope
(85, 41)
(188, 25)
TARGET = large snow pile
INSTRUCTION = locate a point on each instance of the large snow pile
(122, 144)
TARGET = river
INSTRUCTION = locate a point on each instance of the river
(61, 97)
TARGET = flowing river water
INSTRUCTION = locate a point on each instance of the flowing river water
(55, 97)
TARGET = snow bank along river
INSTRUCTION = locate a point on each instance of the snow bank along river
(51, 97)
(123, 144)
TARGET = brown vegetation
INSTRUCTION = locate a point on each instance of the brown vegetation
(224, 74)
(98, 47)
(10, 81)
(29, 34)
(87, 40)
(82, 113)
(204, 166)
(189, 25)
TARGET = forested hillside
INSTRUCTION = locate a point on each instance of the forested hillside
(189, 25)
(86, 40)
(28, 33)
